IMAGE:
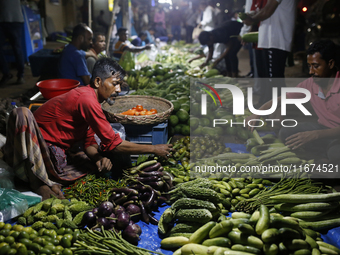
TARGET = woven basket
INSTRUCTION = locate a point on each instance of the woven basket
(124, 103)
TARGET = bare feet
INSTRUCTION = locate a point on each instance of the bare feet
(46, 192)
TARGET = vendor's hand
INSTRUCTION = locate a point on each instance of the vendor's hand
(91, 54)
(253, 123)
(200, 25)
(190, 60)
(248, 21)
(163, 150)
(104, 165)
(203, 65)
(297, 140)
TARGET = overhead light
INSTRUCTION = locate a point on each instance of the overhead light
(218, 4)
(177, 7)
(308, 30)
(304, 9)
(226, 11)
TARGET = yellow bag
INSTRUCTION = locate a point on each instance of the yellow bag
(196, 32)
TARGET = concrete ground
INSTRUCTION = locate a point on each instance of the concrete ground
(14, 91)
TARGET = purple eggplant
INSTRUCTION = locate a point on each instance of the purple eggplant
(151, 168)
(154, 173)
(148, 179)
(95, 210)
(145, 216)
(89, 219)
(118, 209)
(153, 220)
(106, 223)
(135, 211)
(125, 190)
(130, 234)
(105, 209)
(123, 220)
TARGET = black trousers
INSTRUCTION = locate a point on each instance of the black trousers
(270, 64)
(13, 31)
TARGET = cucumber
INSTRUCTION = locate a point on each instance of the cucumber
(264, 220)
(218, 241)
(283, 249)
(296, 244)
(329, 246)
(202, 233)
(192, 248)
(246, 228)
(280, 222)
(222, 228)
(316, 252)
(174, 242)
(270, 235)
(240, 238)
(239, 221)
(302, 252)
(313, 234)
(240, 247)
(322, 224)
(287, 207)
(216, 250)
(254, 217)
(312, 243)
(289, 233)
(309, 215)
(231, 252)
(238, 215)
(270, 249)
(308, 198)
(325, 250)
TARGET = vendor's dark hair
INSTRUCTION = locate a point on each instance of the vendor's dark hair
(204, 37)
(95, 35)
(78, 30)
(327, 49)
(105, 68)
(141, 34)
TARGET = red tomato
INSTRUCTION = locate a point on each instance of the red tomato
(153, 110)
(139, 107)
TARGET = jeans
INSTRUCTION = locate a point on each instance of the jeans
(14, 32)
(176, 32)
(329, 148)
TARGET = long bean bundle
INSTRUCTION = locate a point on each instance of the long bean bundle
(106, 242)
(92, 190)
(284, 186)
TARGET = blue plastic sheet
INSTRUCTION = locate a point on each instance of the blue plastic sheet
(149, 237)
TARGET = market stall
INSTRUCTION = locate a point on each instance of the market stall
(178, 205)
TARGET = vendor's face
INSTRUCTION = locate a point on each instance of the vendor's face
(319, 68)
(109, 88)
(100, 44)
(123, 36)
(87, 41)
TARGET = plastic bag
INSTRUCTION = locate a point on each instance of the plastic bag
(196, 32)
(152, 53)
(12, 204)
(6, 175)
(118, 128)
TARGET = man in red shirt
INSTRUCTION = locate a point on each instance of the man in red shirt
(43, 141)
(324, 86)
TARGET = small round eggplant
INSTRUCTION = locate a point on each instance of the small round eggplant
(89, 219)
(105, 209)
(123, 220)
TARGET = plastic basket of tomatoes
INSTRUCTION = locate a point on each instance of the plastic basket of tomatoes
(138, 110)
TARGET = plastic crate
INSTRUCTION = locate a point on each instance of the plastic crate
(147, 134)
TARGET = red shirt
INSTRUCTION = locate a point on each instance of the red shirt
(75, 116)
(326, 107)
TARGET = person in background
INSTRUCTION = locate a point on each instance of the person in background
(144, 20)
(324, 87)
(72, 62)
(140, 40)
(39, 147)
(223, 35)
(122, 44)
(102, 25)
(277, 19)
(207, 23)
(97, 48)
(190, 23)
(176, 21)
(159, 16)
(11, 27)
(160, 33)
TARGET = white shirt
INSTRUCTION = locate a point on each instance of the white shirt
(277, 31)
(245, 29)
(208, 19)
